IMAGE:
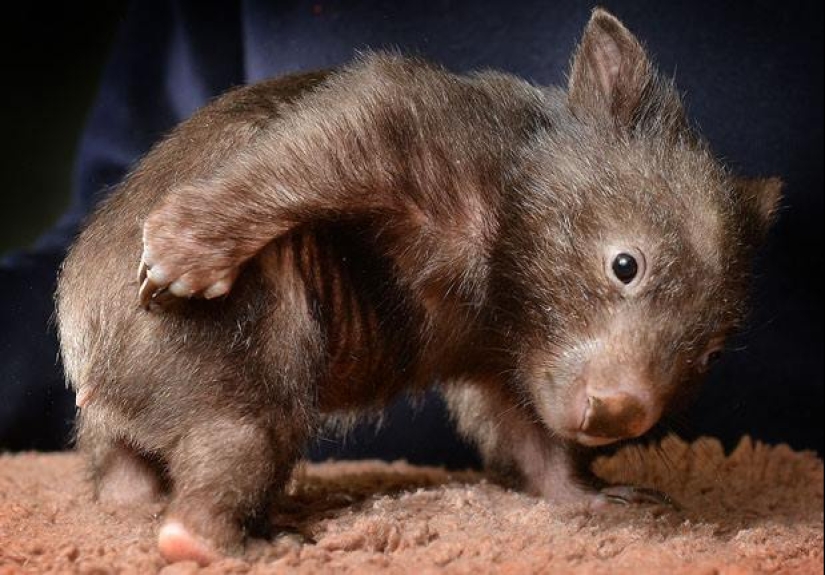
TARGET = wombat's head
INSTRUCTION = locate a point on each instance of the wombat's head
(625, 259)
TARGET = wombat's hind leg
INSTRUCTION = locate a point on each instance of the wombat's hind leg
(126, 477)
(224, 473)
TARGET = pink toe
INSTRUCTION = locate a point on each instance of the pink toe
(176, 544)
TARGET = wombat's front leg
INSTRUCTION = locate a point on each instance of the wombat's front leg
(514, 445)
(516, 448)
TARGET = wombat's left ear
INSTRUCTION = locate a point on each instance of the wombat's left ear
(762, 197)
(610, 73)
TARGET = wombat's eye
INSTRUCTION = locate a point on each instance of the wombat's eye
(625, 267)
(712, 354)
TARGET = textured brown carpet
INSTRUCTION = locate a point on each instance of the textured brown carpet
(759, 510)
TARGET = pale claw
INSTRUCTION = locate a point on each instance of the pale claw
(142, 271)
(629, 495)
(145, 292)
(149, 291)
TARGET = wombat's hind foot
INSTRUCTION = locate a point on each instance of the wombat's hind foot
(223, 473)
(176, 543)
(195, 528)
(179, 259)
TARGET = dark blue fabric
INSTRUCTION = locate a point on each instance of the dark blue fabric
(752, 72)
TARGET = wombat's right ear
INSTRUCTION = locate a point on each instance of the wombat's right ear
(610, 71)
(762, 197)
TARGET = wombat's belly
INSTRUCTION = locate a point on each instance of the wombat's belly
(368, 323)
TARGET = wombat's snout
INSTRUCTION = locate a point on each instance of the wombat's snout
(608, 415)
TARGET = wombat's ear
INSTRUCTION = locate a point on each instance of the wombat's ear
(610, 72)
(762, 197)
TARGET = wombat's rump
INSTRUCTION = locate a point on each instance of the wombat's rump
(564, 264)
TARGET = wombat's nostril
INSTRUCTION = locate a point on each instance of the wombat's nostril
(618, 415)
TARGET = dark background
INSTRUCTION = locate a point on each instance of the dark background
(52, 58)
(770, 385)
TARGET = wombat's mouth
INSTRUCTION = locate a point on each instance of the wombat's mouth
(594, 440)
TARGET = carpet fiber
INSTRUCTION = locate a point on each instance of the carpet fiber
(757, 510)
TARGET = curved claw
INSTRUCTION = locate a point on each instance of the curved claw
(149, 293)
(145, 292)
(150, 290)
(629, 494)
(143, 270)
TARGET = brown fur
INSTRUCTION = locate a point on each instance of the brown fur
(388, 226)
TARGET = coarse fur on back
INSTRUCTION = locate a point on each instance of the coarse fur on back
(563, 264)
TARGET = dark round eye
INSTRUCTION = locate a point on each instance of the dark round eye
(625, 267)
(713, 357)
(712, 354)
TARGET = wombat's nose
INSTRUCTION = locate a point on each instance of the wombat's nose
(618, 415)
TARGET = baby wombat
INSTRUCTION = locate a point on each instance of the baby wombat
(563, 264)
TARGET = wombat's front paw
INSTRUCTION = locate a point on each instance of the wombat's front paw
(160, 281)
(188, 251)
(596, 495)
